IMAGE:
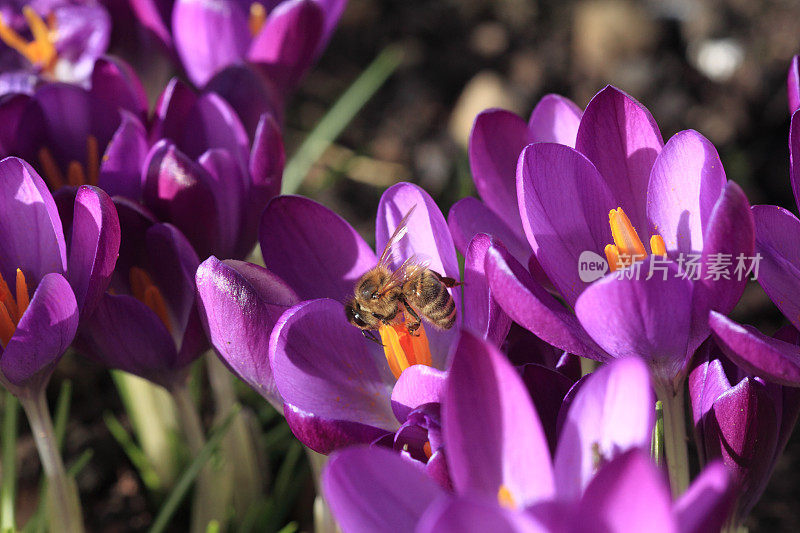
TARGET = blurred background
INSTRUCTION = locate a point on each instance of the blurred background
(717, 66)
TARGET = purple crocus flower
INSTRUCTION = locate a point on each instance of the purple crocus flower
(148, 323)
(282, 38)
(50, 40)
(500, 465)
(497, 138)
(777, 243)
(743, 421)
(619, 182)
(335, 385)
(48, 282)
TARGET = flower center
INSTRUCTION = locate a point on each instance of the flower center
(144, 290)
(402, 349)
(41, 51)
(505, 499)
(627, 247)
(258, 15)
(11, 309)
(77, 174)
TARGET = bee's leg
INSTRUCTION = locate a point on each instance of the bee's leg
(369, 334)
(447, 282)
(414, 326)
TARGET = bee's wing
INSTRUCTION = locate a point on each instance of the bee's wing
(410, 268)
(391, 245)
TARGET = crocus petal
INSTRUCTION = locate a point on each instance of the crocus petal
(686, 181)
(704, 506)
(417, 385)
(482, 313)
(249, 92)
(148, 14)
(287, 44)
(469, 216)
(12, 109)
(612, 413)
(31, 235)
(227, 185)
(640, 318)
(94, 246)
(730, 233)
(267, 159)
(628, 495)
(474, 516)
(209, 36)
(172, 265)
(43, 334)
(116, 81)
(555, 119)
(707, 382)
(312, 248)
(793, 84)
(564, 204)
(756, 353)
(373, 489)
(240, 304)
(177, 189)
(322, 365)
(779, 267)
(126, 334)
(621, 138)
(742, 430)
(794, 152)
(212, 123)
(122, 163)
(493, 435)
(83, 35)
(532, 307)
(497, 138)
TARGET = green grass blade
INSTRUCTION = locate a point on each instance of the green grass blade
(135, 454)
(62, 412)
(339, 116)
(186, 479)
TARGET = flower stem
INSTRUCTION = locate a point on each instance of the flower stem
(675, 442)
(9, 474)
(63, 503)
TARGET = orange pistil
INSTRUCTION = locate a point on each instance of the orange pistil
(628, 247)
(258, 15)
(505, 498)
(403, 349)
(145, 291)
(77, 174)
(11, 309)
(41, 51)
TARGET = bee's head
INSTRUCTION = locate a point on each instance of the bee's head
(356, 315)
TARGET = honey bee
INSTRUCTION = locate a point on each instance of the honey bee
(381, 294)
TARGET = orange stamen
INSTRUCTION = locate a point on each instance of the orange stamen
(403, 349)
(92, 160)
(11, 310)
(427, 449)
(23, 299)
(628, 247)
(144, 290)
(41, 51)
(52, 174)
(258, 15)
(75, 175)
(505, 498)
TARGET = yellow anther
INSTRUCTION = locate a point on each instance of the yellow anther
(625, 237)
(505, 498)
(11, 309)
(77, 174)
(144, 290)
(657, 246)
(402, 349)
(258, 15)
(41, 51)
